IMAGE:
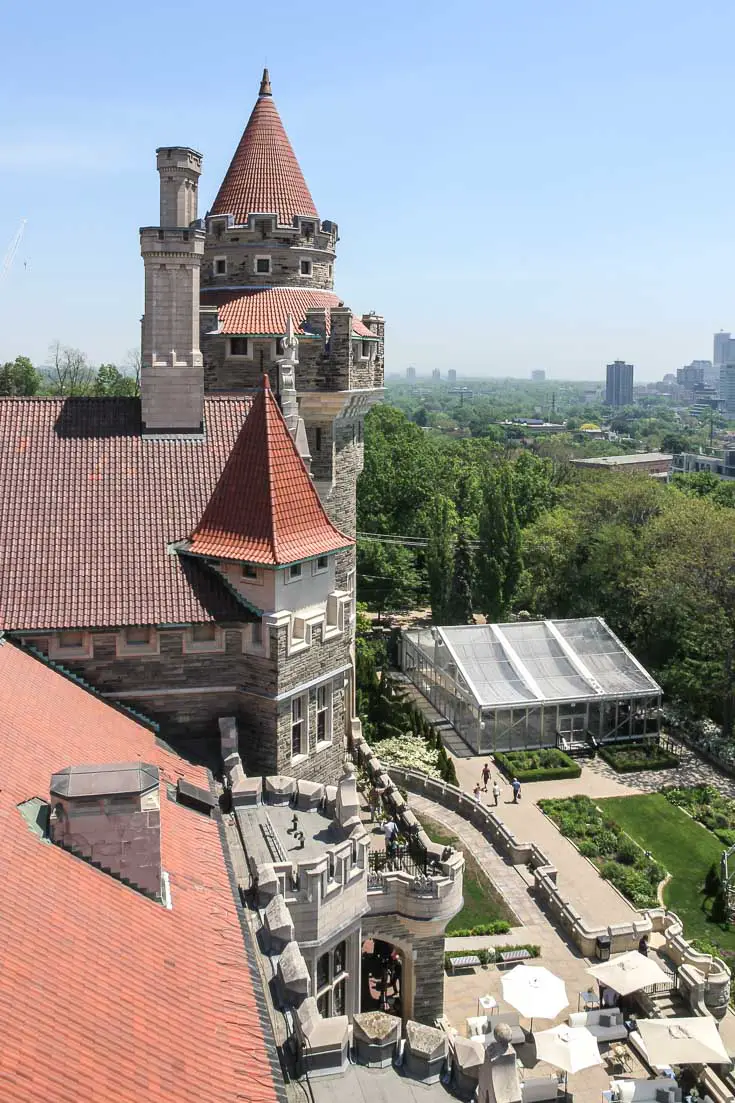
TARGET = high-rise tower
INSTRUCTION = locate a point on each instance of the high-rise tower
(171, 361)
(268, 255)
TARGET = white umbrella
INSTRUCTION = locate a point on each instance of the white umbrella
(629, 972)
(569, 1048)
(534, 992)
(683, 1041)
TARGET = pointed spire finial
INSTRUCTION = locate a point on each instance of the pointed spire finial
(265, 85)
(266, 382)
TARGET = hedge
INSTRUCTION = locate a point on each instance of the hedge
(643, 756)
(499, 926)
(488, 955)
(547, 764)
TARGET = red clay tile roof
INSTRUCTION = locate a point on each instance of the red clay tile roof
(88, 507)
(264, 508)
(104, 994)
(264, 176)
(266, 310)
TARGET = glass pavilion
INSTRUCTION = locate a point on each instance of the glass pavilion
(541, 683)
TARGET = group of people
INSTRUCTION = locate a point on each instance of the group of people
(482, 787)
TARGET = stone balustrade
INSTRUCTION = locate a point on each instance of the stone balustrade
(704, 980)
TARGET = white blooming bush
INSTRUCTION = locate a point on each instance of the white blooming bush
(410, 751)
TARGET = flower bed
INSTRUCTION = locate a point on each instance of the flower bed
(488, 955)
(547, 764)
(630, 758)
(619, 859)
(710, 807)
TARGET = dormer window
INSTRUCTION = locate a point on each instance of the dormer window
(249, 572)
(263, 266)
(139, 636)
(320, 564)
(305, 267)
(240, 346)
(220, 266)
(365, 350)
(294, 572)
(307, 230)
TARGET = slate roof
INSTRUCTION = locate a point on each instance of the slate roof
(88, 508)
(265, 311)
(265, 508)
(104, 994)
(264, 176)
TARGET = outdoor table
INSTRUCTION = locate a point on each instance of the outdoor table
(488, 1004)
(588, 998)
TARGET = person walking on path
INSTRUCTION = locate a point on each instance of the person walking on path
(516, 787)
(485, 776)
(477, 793)
(496, 793)
(390, 830)
(643, 946)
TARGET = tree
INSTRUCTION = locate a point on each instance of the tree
(387, 576)
(71, 373)
(19, 377)
(513, 561)
(687, 599)
(440, 557)
(110, 382)
(459, 605)
(493, 534)
(675, 443)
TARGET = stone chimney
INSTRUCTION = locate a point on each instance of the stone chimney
(110, 816)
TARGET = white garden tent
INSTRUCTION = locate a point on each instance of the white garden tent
(532, 684)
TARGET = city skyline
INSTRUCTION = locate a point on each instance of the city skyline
(588, 242)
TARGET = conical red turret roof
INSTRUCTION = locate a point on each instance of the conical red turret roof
(265, 509)
(264, 176)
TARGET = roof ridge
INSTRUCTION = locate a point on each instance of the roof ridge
(266, 391)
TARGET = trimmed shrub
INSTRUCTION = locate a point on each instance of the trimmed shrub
(499, 926)
(630, 758)
(545, 764)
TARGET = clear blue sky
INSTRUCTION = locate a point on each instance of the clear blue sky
(534, 183)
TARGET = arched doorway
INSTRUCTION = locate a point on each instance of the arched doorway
(385, 979)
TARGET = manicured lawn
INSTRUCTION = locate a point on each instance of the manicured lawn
(685, 847)
(482, 902)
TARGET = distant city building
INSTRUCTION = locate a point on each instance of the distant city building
(724, 349)
(727, 389)
(452, 375)
(721, 463)
(410, 373)
(649, 463)
(619, 388)
(690, 375)
(538, 375)
(436, 374)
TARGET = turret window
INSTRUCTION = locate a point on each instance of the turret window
(365, 350)
(305, 267)
(263, 266)
(220, 266)
(240, 346)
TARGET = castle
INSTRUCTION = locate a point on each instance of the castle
(190, 554)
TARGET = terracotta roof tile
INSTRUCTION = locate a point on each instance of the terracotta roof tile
(265, 310)
(264, 176)
(88, 508)
(104, 994)
(265, 508)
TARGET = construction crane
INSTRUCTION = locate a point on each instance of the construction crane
(12, 250)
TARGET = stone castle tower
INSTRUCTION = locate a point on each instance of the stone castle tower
(264, 254)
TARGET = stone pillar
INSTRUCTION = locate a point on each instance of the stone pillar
(428, 979)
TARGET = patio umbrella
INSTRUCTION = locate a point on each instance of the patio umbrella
(569, 1048)
(629, 972)
(683, 1041)
(534, 992)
